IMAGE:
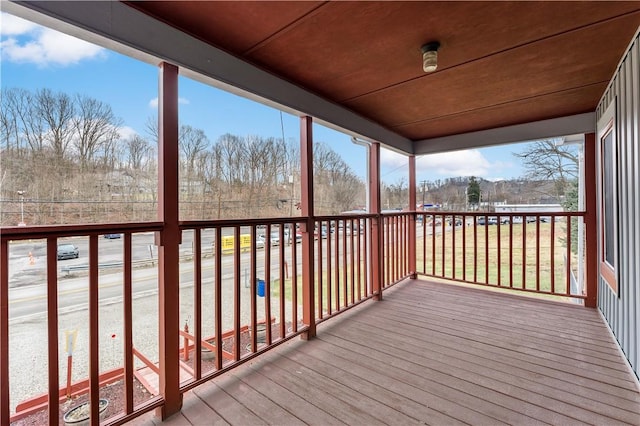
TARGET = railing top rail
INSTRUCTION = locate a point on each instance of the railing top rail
(397, 213)
(346, 216)
(223, 223)
(44, 231)
(510, 214)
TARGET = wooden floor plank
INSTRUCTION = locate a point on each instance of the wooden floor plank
(197, 412)
(305, 411)
(536, 404)
(225, 406)
(269, 411)
(390, 391)
(458, 358)
(498, 344)
(346, 406)
(432, 353)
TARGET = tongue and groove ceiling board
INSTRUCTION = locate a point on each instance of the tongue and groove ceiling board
(500, 63)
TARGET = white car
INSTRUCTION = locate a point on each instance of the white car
(260, 242)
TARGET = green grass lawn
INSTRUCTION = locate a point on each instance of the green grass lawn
(511, 263)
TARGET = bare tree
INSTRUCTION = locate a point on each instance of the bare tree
(31, 124)
(137, 151)
(548, 160)
(56, 111)
(9, 133)
(95, 126)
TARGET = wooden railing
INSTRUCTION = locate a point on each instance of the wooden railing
(252, 279)
(529, 252)
(395, 247)
(48, 238)
(343, 268)
(236, 276)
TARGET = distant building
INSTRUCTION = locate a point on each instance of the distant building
(528, 208)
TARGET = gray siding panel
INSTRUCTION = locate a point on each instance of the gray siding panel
(622, 311)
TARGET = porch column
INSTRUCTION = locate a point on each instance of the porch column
(377, 221)
(412, 219)
(168, 240)
(306, 206)
(590, 219)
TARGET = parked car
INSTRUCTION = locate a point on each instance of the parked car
(68, 251)
(260, 243)
(112, 236)
(491, 220)
(275, 238)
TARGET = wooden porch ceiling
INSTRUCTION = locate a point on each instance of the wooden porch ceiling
(500, 63)
(432, 354)
(508, 71)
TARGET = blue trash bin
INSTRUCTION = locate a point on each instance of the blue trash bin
(260, 287)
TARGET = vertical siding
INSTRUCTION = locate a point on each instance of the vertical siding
(622, 311)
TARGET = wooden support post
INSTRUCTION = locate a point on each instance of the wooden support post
(306, 201)
(4, 333)
(52, 330)
(169, 241)
(377, 221)
(412, 219)
(591, 221)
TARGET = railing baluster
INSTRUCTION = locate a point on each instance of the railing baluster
(319, 274)
(553, 255)
(475, 249)
(537, 253)
(453, 246)
(464, 248)
(352, 259)
(217, 308)
(486, 249)
(197, 301)
(252, 286)
(294, 288)
(359, 261)
(568, 277)
(94, 337)
(365, 246)
(292, 239)
(345, 284)
(499, 253)
(511, 251)
(236, 293)
(128, 324)
(337, 259)
(267, 286)
(524, 253)
(444, 243)
(329, 280)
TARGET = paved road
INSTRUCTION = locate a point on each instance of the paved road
(27, 293)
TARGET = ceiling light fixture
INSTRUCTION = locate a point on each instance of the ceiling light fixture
(430, 56)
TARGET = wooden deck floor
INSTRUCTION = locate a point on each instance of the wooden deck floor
(436, 354)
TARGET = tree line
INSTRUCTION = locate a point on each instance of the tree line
(68, 156)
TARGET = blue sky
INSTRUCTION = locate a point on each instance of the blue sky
(34, 57)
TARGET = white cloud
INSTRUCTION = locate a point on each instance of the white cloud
(26, 42)
(153, 103)
(12, 25)
(126, 132)
(470, 162)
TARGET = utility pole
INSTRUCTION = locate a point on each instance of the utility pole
(21, 194)
(424, 190)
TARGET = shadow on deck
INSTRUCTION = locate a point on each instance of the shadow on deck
(432, 353)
